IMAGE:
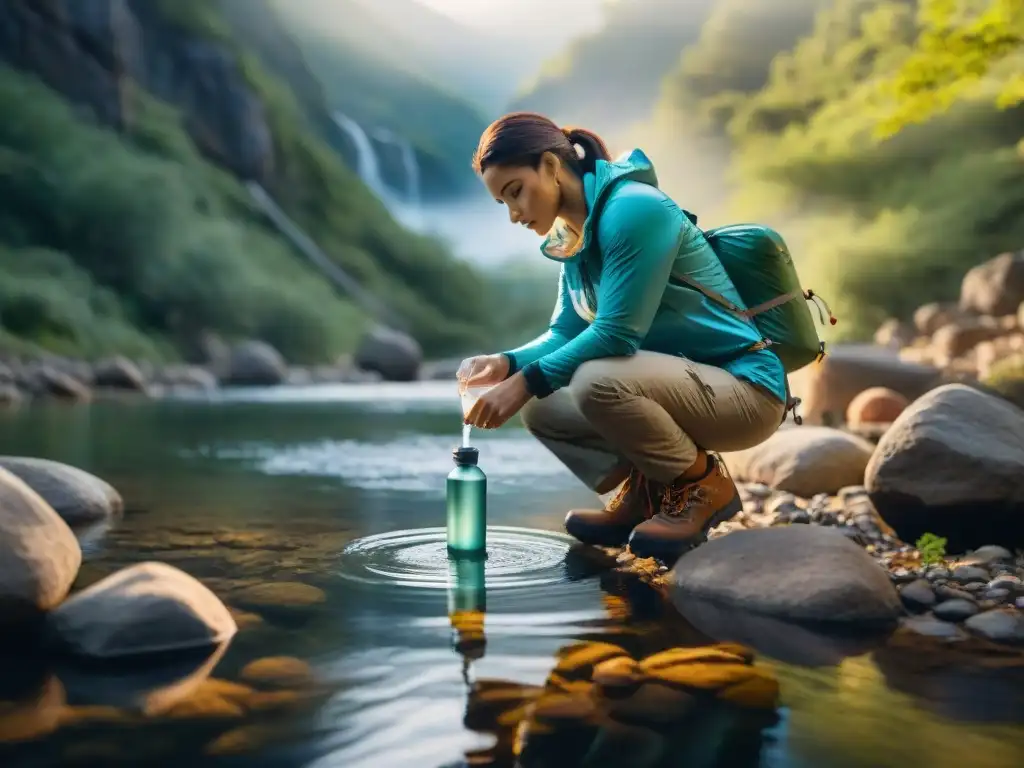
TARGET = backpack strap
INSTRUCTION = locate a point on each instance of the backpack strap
(747, 314)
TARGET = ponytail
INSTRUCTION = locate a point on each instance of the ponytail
(589, 148)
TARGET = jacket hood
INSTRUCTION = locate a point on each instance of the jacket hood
(561, 244)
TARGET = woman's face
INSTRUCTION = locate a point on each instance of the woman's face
(532, 195)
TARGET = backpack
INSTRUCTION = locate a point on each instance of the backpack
(759, 264)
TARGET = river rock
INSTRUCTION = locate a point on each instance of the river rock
(952, 465)
(917, 595)
(119, 373)
(827, 389)
(147, 608)
(1002, 625)
(803, 460)
(794, 573)
(39, 556)
(876, 405)
(394, 355)
(955, 610)
(75, 495)
(255, 364)
(928, 318)
(995, 287)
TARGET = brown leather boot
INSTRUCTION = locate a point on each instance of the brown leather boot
(687, 512)
(611, 526)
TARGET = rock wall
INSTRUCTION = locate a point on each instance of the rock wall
(99, 52)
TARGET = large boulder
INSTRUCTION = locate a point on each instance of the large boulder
(149, 608)
(119, 373)
(827, 388)
(953, 464)
(255, 364)
(394, 355)
(75, 495)
(803, 460)
(795, 573)
(995, 287)
(39, 556)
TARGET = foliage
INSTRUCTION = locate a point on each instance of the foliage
(932, 549)
(878, 227)
(959, 43)
(111, 248)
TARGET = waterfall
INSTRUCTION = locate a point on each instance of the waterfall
(367, 164)
(404, 204)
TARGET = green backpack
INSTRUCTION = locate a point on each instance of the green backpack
(759, 264)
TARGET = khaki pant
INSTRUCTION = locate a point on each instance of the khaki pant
(650, 411)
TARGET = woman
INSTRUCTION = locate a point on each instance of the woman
(639, 376)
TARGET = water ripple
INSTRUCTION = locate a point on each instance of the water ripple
(516, 557)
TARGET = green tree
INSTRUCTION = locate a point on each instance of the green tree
(960, 42)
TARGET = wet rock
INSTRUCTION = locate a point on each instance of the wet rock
(876, 405)
(119, 373)
(39, 556)
(144, 609)
(279, 672)
(187, 377)
(1002, 625)
(49, 381)
(798, 573)
(955, 610)
(951, 465)
(803, 461)
(1008, 582)
(938, 574)
(929, 626)
(917, 595)
(394, 355)
(996, 595)
(255, 364)
(75, 495)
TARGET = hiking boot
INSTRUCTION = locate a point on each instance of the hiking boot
(611, 526)
(687, 512)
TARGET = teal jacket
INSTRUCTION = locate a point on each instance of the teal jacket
(616, 296)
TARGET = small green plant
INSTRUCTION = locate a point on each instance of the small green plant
(932, 548)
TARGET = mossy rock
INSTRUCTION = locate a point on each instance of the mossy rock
(1006, 377)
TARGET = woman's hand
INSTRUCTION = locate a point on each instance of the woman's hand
(482, 371)
(500, 404)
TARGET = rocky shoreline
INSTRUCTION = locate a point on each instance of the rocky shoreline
(384, 355)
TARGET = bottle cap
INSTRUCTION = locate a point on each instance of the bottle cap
(465, 456)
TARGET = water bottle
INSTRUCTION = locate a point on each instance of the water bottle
(467, 505)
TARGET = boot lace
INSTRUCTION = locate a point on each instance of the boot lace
(680, 503)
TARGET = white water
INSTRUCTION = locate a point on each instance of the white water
(476, 228)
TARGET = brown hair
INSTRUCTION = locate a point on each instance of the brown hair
(521, 138)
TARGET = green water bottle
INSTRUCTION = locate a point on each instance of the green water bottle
(467, 505)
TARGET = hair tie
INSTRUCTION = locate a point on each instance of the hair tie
(580, 152)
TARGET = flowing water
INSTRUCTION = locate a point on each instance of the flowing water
(340, 489)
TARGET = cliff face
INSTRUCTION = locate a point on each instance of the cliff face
(97, 52)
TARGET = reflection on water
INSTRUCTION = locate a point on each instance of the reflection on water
(316, 516)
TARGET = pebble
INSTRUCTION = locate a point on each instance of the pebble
(902, 576)
(956, 610)
(1007, 581)
(945, 592)
(918, 595)
(851, 491)
(759, 490)
(1020, 603)
(933, 627)
(1003, 625)
(781, 504)
(976, 586)
(800, 517)
(968, 573)
(937, 572)
(995, 594)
